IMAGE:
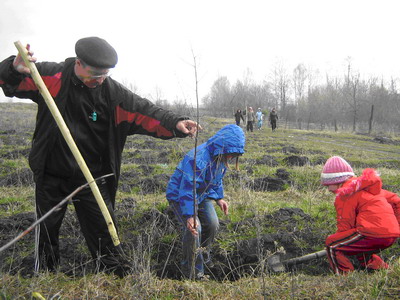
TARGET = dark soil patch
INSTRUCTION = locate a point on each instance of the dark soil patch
(246, 254)
(319, 161)
(298, 161)
(267, 160)
(144, 157)
(15, 154)
(268, 184)
(154, 184)
(146, 169)
(290, 149)
(385, 140)
(6, 132)
(314, 134)
(134, 180)
(237, 178)
(157, 234)
(16, 140)
(282, 174)
(22, 177)
(129, 176)
(22, 252)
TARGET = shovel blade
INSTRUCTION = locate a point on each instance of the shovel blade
(275, 264)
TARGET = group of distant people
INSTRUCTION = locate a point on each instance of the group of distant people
(101, 113)
(255, 118)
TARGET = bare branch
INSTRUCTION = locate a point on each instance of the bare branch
(37, 222)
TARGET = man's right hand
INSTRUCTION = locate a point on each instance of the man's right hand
(19, 64)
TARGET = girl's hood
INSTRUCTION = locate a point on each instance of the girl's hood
(230, 139)
(368, 181)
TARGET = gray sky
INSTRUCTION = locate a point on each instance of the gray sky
(155, 38)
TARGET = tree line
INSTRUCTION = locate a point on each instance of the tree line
(346, 102)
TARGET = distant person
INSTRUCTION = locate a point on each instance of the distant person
(367, 217)
(238, 116)
(251, 118)
(100, 113)
(273, 117)
(260, 117)
(212, 159)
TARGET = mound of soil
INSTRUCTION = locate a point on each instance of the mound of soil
(282, 174)
(319, 161)
(267, 160)
(385, 140)
(269, 184)
(295, 160)
(290, 149)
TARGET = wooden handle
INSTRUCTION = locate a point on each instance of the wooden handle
(305, 258)
(70, 141)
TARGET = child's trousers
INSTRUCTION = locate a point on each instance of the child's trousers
(341, 245)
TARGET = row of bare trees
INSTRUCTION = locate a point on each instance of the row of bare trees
(304, 101)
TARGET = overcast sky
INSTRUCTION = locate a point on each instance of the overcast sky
(155, 39)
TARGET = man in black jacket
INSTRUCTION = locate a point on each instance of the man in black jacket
(100, 113)
(273, 117)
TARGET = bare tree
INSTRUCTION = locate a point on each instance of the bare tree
(219, 96)
(280, 84)
(350, 91)
(131, 86)
(299, 81)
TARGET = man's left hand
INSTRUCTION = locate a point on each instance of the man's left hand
(188, 127)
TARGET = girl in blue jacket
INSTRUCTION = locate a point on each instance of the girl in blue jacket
(211, 164)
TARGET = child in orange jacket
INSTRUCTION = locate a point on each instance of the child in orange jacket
(367, 217)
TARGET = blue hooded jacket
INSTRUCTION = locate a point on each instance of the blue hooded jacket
(209, 171)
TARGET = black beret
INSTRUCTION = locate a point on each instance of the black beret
(96, 52)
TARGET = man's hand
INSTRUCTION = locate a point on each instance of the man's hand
(190, 226)
(19, 64)
(188, 127)
(223, 205)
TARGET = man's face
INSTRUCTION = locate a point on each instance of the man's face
(90, 76)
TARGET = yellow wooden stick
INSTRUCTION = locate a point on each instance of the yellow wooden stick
(68, 138)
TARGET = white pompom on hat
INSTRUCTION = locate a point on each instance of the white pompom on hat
(336, 170)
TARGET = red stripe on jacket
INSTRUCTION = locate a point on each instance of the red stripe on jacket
(147, 123)
(53, 84)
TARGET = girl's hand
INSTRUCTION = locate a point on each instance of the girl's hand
(191, 226)
(223, 205)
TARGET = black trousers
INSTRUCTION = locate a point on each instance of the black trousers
(50, 190)
(249, 126)
(273, 124)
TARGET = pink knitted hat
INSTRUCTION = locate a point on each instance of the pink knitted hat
(336, 170)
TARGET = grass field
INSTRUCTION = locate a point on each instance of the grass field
(276, 206)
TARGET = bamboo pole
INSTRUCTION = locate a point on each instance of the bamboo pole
(70, 141)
